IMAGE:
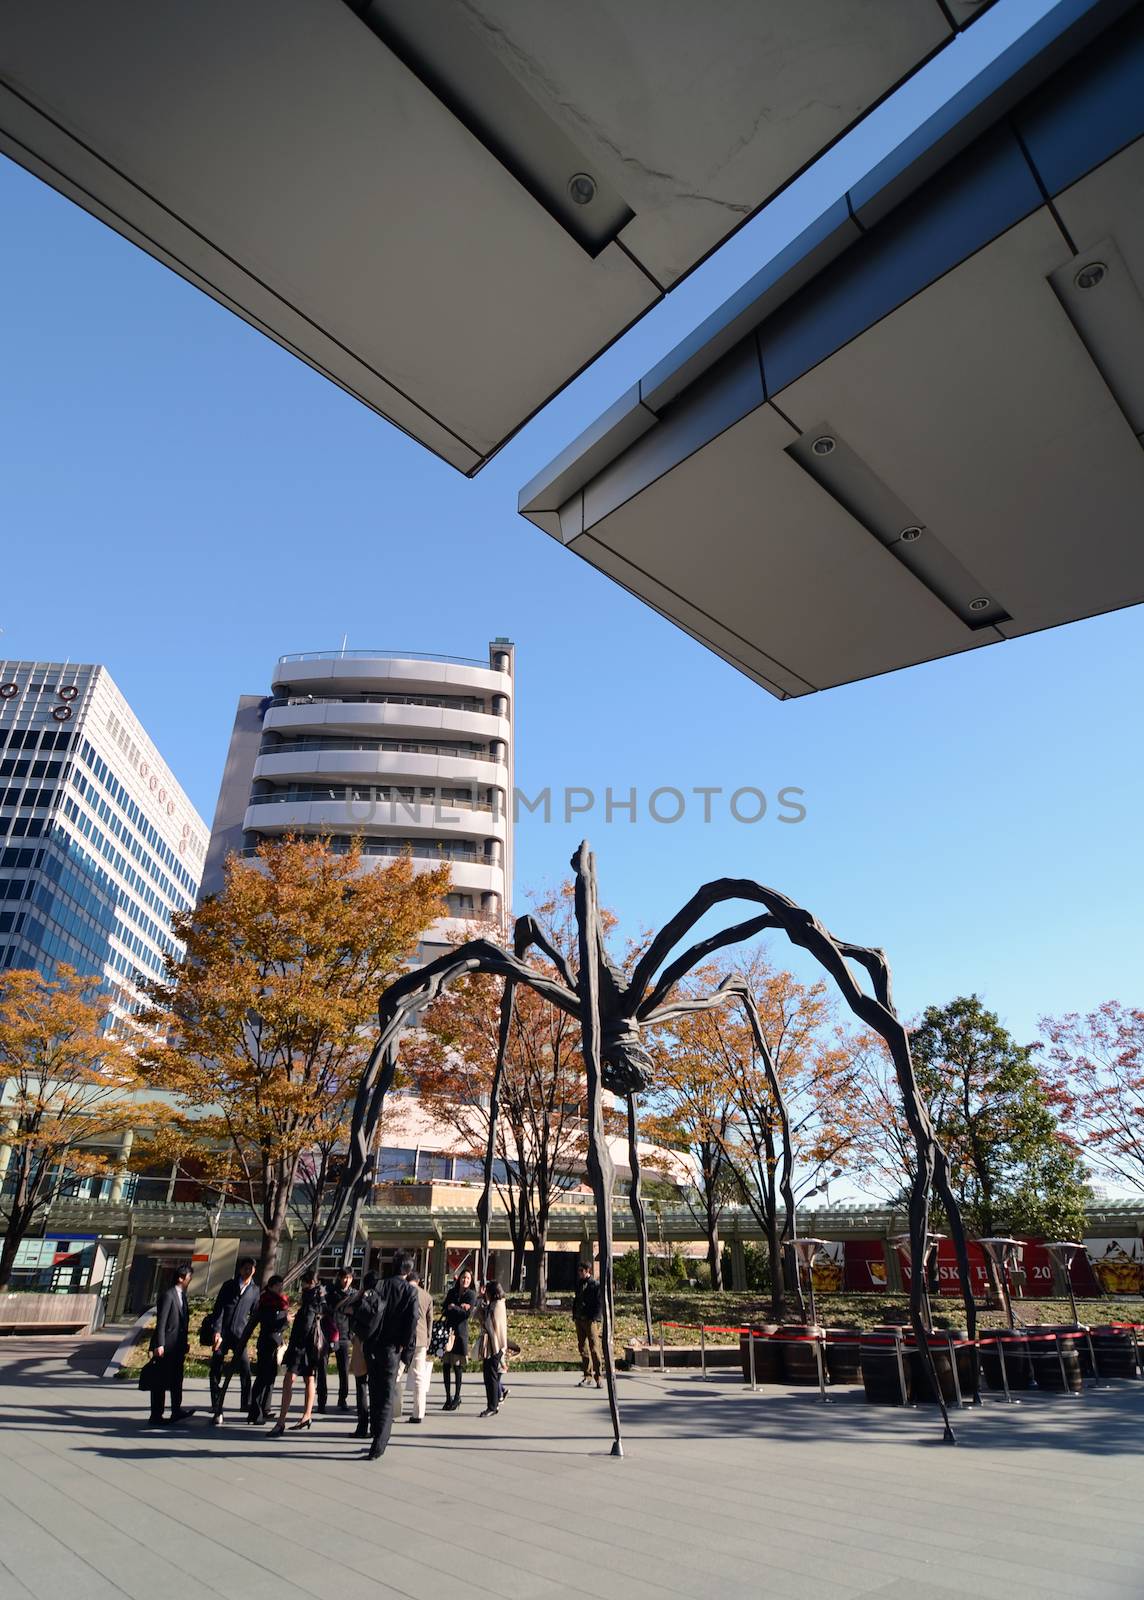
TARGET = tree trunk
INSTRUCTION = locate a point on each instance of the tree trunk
(540, 1281)
(714, 1252)
(775, 1256)
(519, 1245)
(18, 1224)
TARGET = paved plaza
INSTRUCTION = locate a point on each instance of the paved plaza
(722, 1494)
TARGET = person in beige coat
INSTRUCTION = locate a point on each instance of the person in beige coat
(420, 1369)
(493, 1345)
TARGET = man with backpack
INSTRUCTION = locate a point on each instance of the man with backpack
(384, 1320)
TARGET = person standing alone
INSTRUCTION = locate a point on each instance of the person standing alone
(460, 1303)
(234, 1309)
(169, 1345)
(588, 1315)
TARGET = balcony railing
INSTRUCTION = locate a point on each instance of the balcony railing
(357, 794)
(416, 747)
(380, 655)
(426, 849)
(377, 697)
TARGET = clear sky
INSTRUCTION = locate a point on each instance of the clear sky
(183, 501)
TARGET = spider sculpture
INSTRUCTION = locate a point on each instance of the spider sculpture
(612, 1010)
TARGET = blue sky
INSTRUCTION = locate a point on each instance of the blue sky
(183, 501)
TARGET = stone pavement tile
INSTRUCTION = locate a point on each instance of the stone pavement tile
(46, 1568)
(720, 1495)
(10, 1586)
(290, 1557)
(124, 1560)
(224, 1573)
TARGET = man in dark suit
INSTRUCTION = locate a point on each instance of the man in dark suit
(388, 1341)
(169, 1344)
(234, 1309)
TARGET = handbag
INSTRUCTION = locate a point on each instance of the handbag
(208, 1329)
(441, 1338)
(359, 1366)
(150, 1376)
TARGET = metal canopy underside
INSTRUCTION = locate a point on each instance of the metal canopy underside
(922, 432)
(387, 193)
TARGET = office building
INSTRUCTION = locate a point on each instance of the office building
(99, 845)
(411, 753)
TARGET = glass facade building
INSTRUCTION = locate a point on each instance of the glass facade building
(99, 846)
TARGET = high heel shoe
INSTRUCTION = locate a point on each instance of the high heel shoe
(277, 1431)
(300, 1427)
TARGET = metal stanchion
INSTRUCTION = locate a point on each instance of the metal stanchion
(956, 1374)
(1005, 1373)
(821, 1369)
(1136, 1347)
(751, 1349)
(1064, 1376)
(901, 1368)
(662, 1357)
(702, 1351)
(1092, 1357)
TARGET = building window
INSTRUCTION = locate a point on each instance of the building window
(393, 1165)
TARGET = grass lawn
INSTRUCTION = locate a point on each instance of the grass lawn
(547, 1339)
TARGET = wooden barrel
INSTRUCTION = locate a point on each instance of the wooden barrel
(1115, 1351)
(881, 1373)
(768, 1356)
(799, 1344)
(1055, 1356)
(843, 1355)
(943, 1358)
(1018, 1369)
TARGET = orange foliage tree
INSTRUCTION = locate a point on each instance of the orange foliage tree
(264, 1026)
(717, 1094)
(68, 1086)
(541, 1135)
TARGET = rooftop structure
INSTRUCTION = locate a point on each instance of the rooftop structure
(918, 430)
(409, 197)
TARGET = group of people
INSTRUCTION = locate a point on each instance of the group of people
(381, 1333)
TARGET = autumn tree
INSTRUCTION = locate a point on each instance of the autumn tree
(1095, 1079)
(693, 1114)
(70, 1090)
(813, 1063)
(264, 1026)
(541, 1136)
(1011, 1168)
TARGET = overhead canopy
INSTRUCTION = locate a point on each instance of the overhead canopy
(448, 208)
(919, 430)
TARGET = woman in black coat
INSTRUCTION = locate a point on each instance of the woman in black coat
(460, 1304)
(269, 1324)
(307, 1347)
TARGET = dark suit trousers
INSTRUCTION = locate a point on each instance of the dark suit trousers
(383, 1393)
(265, 1374)
(341, 1355)
(240, 1357)
(171, 1370)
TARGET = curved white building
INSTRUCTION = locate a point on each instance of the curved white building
(409, 752)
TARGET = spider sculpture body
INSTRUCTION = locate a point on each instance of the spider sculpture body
(612, 1011)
